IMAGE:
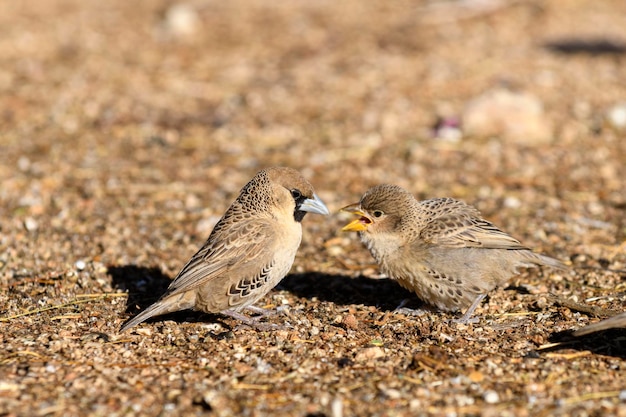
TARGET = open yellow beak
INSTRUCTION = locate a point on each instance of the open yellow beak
(359, 224)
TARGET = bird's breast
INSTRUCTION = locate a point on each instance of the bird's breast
(382, 246)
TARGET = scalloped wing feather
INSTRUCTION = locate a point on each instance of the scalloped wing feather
(241, 244)
(455, 224)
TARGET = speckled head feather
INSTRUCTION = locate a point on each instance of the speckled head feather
(300, 189)
(386, 197)
(385, 203)
(291, 180)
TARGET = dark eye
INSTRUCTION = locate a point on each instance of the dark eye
(296, 194)
(377, 213)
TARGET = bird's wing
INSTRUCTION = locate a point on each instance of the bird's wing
(237, 245)
(461, 226)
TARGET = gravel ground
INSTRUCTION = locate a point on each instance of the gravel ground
(127, 128)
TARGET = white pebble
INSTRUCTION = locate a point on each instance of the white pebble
(80, 265)
(336, 407)
(491, 397)
(514, 116)
(617, 116)
(31, 224)
(512, 202)
(23, 163)
(205, 226)
(182, 20)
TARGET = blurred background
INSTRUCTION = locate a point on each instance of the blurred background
(127, 128)
(117, 111)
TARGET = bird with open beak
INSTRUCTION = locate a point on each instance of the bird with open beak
(249, 251)
(441, 249)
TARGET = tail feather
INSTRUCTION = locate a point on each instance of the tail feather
(166, 305)
(529, 259)
(551, 262)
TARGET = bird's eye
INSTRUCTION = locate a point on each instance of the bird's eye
(296, 194)
(377, 213)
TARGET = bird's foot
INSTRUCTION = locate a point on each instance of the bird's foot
(262, 312)
(254, 322)
(467, 317)
(465, 320)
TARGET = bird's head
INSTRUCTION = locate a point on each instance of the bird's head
(379, 210)
(294, 190)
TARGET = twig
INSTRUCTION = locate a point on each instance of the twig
(583, 308)
(592, 396)
(80, 299)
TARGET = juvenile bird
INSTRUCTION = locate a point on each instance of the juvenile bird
(441, 249)
(250, 249)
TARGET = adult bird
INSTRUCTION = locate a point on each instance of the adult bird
(249, 251)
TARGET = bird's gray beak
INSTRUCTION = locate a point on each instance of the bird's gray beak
(314, 205)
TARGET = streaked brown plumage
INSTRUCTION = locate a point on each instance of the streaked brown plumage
(250, 249)
(441, 249)
(616, 321)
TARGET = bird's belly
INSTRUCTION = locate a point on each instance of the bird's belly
(280, 267)
(444, 296)
(449, 279)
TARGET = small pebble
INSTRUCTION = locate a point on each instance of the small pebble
(337, 407)
(617, 116)
(23, 163)
(80, 265)
(350, 321)
(476, 376)
(9, 386)
(205, 226)
(182, 20)
(335, 251)
(369, 354)
(491, 397)
(31, 224)
(512, 202)
(515, 116)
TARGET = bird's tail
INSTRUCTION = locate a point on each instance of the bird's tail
(169, 304)
(539, 259)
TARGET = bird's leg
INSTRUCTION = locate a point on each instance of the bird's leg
(468, 313)
(251, 321)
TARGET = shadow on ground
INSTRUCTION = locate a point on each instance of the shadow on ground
(611, 342)
(383, 294)
(587, 46)
(146, 284)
